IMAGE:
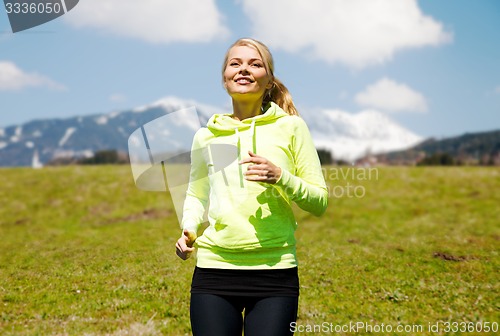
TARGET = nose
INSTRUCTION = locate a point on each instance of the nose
(244, 68)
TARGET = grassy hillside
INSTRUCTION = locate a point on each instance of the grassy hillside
(82, 251)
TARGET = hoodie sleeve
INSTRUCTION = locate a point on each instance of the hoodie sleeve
(197, 193)
(306, 185)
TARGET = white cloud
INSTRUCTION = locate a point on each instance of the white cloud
(391, 96)
(12, 78)
(497, 90)
(154, 21)
(353, 32)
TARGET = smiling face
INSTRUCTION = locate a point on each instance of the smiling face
(245, 75)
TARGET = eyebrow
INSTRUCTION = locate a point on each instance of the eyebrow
(251, 60)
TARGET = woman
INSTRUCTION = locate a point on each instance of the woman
(246, 257)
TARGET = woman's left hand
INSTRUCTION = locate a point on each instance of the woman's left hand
(261, 169)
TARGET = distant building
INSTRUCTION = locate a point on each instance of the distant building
(35, 161)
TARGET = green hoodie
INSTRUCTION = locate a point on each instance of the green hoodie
(251, 224)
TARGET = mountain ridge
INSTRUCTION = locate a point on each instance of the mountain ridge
(347, 136)
(468, 148)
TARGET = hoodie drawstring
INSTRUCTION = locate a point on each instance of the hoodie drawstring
(238, 145)
(252, 134)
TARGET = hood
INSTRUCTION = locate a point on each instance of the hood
(222, 123)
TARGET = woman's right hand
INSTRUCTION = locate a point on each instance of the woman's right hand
(184, 246)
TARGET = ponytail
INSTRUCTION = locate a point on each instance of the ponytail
(280, 95)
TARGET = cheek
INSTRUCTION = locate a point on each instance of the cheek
(264, 80)
(224, 81)
(261, 75)
(228, 76)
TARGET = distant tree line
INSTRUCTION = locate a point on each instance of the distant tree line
(437, 159)
(325, 156)
(446, 159)
(112, 156)
(107, 156)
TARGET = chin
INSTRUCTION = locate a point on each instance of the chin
(245, 94)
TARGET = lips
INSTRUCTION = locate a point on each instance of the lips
(244, 80)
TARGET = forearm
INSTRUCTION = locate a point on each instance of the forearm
(308, 196)
(193, 212)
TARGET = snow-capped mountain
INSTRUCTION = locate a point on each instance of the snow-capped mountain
(40, 141)
(351, 136)
(37, 142)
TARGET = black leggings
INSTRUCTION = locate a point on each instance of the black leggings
(216, 315)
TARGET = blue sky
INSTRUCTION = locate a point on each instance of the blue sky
(432, 66)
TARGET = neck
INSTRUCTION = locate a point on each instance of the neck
(246, 109)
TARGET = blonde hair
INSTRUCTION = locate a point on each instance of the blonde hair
(278, 93)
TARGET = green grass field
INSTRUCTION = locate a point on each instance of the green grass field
(84, 252)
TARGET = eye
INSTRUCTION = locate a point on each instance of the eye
(234, 64)
(257, 65)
